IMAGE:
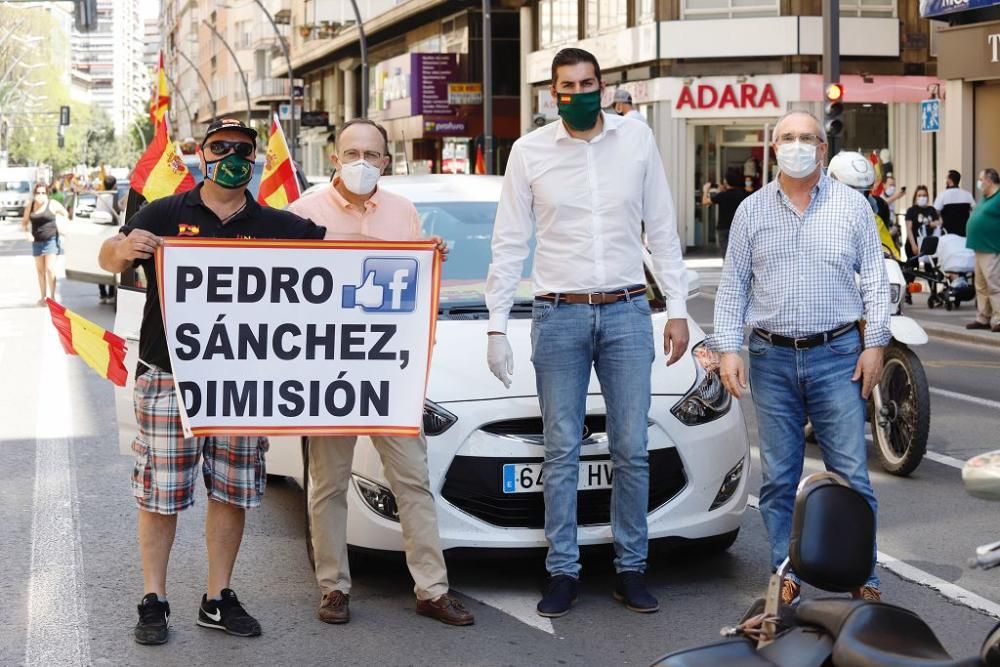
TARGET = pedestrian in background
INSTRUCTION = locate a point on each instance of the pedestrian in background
(922, 220)
(794, 251)
(984, 238)
(353, 207)
(954, 204)
(166, 463)
(623, 105)
(728, 199)
(39, 223)
(584, 186)
(107, 202)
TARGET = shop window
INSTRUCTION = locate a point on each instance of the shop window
(645, 11)
(557, 22)
(715, 9)
(874, 8)
(604, 16)
(866, 127)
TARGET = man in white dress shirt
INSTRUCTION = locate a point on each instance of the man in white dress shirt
(623, 105)
(583, 186)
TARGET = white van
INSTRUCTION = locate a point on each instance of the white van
(15, 190)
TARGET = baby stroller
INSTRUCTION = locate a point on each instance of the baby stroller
(948, 268)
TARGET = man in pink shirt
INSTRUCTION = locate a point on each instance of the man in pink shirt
(352, 208)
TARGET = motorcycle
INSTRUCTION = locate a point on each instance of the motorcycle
(833, 536)
(899, 408)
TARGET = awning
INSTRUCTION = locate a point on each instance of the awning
(934, 8)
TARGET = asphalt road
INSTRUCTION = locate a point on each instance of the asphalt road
(70, 577)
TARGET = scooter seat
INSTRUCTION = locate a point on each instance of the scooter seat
(875, 634)
(730, 653)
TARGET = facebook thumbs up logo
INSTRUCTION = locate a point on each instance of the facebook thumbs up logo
(388, 285)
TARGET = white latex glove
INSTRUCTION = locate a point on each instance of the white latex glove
(500, 358)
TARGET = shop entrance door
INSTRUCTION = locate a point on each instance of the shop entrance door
(718, 148)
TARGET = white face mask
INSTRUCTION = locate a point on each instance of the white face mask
(360, 177)
(890, 191)
(922, 201)
(796, 159)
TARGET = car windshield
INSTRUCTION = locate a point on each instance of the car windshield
(468, 229)
(17, 186)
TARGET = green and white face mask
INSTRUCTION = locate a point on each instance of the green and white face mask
(229, 172)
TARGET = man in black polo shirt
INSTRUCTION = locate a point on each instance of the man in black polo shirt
(728, 199)
(166, 464)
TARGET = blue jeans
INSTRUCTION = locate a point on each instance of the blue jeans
(616, 339)
(788, 387)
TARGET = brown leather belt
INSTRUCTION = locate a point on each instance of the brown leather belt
(596, 298)
(805, 342)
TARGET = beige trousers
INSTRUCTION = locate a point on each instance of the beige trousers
(988, 288)
(405, 463)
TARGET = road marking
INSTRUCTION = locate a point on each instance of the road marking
(903, 570)
(519, 604)
(933, 456)
(57, 610)
(962, 363)
(985, 402)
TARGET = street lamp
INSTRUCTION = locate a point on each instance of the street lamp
(208, 91)
(243, 75)
(183, 99)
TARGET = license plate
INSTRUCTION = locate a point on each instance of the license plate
(527, 477)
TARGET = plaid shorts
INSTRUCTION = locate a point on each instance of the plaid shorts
(166, 462)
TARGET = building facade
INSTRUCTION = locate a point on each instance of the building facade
(968, 51)
(712, 78)
(107, 63)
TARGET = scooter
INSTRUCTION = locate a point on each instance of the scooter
(899, 408)
(833, 536)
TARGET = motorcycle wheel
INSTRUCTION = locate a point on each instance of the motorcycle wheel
(902, 441)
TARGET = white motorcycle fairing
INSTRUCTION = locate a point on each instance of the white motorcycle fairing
(907, 330)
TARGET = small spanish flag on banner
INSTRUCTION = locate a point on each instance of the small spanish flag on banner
(102, 350)
(161, 96)
(278, 185)
(160, 171)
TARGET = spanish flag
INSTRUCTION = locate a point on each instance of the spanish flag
(160, 171)
(278, 185)
(879, 185)
(161, 96)
(102, 350)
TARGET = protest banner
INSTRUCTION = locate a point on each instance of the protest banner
(299, 337)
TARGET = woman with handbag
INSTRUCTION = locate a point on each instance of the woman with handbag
(41, 214)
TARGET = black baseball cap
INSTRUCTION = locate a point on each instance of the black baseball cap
(221, 124)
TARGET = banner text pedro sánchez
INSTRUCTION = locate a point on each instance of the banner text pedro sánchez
(299, 337)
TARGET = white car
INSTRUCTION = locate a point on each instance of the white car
(481, 434)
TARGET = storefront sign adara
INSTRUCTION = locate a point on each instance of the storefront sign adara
(728, 96)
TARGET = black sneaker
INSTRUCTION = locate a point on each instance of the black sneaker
(631, 590)
(227, 615)
(152, 625)
(559, 596)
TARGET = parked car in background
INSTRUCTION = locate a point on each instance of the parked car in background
(83, 236)
(485, 444)
(15, 190)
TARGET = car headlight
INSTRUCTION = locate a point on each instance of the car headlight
(730, 483)
(377, 497)
(437, 420)
(706, 401)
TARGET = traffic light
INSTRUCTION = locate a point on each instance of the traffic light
(834, 110)
(63, 116)
(85, 15)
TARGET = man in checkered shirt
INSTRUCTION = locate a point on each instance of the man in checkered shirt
(795, 249)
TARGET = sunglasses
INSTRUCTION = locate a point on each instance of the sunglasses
(241, 148)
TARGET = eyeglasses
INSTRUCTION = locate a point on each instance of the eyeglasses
(352, 155)
(241, 148)
(803, 138)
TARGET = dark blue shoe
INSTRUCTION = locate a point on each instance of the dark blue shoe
(631, 589)
(559, 596)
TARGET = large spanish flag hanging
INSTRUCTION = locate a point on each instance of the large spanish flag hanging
(160, 171)
(161, 96)
(278, 185)
(102, 350)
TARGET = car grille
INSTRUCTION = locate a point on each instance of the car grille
(473, 485)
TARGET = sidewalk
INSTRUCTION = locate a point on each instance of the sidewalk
(937, 322)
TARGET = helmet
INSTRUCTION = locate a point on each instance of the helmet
(852, 169)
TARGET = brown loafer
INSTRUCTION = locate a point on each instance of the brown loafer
(446, 609)
(867, 593)
(976, 324)
(335, 608)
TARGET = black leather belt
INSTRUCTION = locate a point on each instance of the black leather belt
(805, 342)
(596, 298)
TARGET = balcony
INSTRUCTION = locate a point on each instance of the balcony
(263, 36)
(265, 91)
